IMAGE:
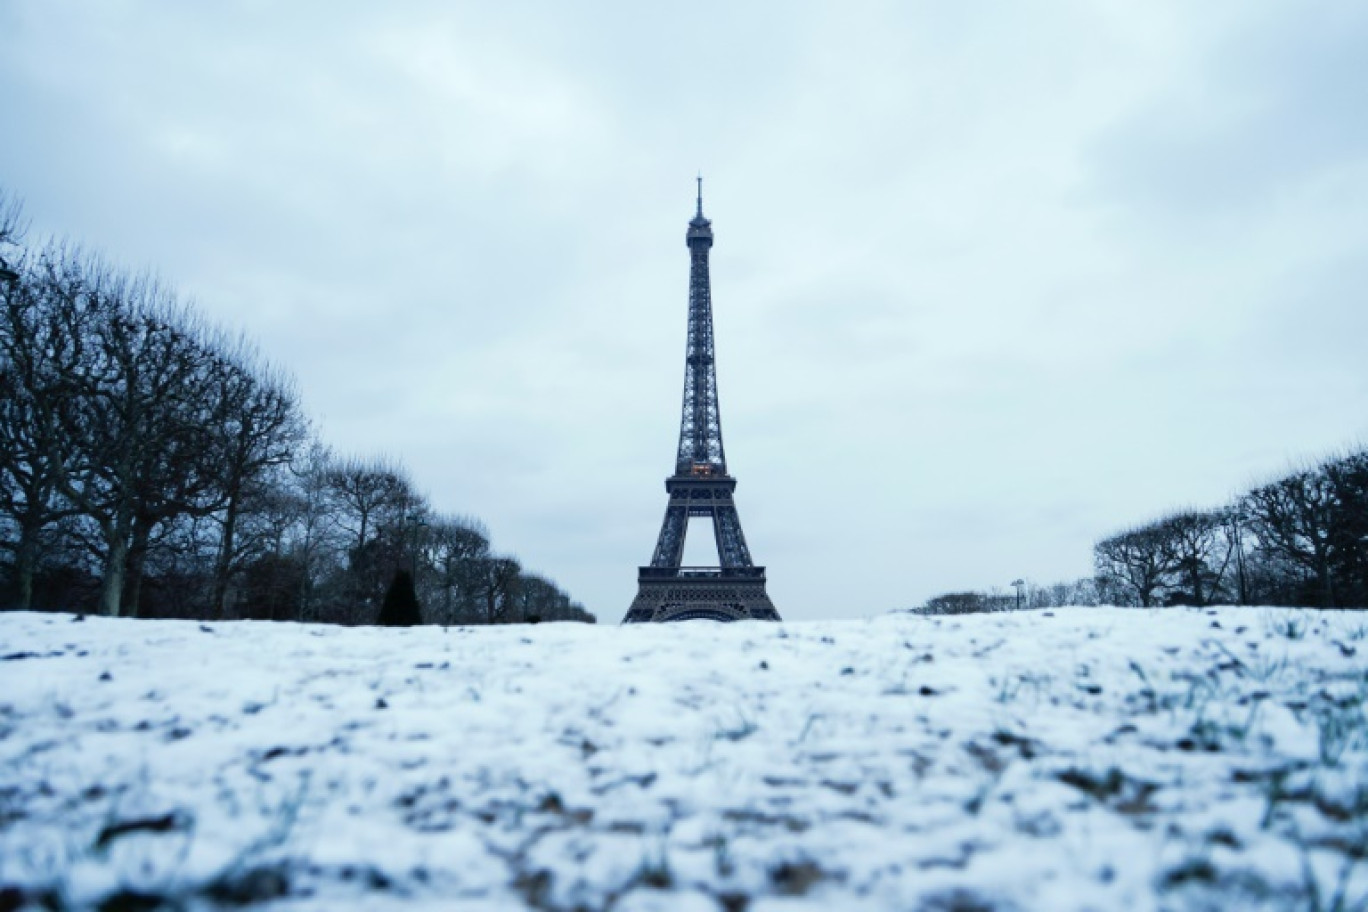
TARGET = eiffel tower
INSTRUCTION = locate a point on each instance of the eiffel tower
(700, 486)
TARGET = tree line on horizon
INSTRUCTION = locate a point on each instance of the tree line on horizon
(154, 466)
(1298, 541)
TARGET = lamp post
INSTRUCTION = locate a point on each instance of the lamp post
(1018, 584)
(419, 522)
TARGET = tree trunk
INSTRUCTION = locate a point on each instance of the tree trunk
(137, 561)
(1325, 578)
(111, 587)
(25, 563)
(225, 556)
(1195, 573)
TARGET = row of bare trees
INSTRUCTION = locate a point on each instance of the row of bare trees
(153, 466)
(1299, 540)
(1023, 595)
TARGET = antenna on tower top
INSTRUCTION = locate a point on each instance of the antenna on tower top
(700, 195)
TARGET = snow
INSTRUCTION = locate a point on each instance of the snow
(1078, 758)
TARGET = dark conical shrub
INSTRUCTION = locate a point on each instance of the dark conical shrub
(401, 603)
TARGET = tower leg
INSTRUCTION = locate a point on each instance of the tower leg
(731, 543)
(669, 550)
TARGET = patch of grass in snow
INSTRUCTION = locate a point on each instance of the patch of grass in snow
(1114, 788)
(654, 871)
(1213, 734)
(737, 729)
(1336, 898)
(1019, 685)
(1289, 625)
(1268, 669)
(1340, 726)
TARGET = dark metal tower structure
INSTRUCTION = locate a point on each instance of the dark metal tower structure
(700, 486)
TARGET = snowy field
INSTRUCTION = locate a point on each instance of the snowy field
(1079, 758)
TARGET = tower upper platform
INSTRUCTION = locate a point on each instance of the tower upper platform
(700, 229)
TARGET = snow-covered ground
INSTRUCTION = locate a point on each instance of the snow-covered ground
(1083, 758)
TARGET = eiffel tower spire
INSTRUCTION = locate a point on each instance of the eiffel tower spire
(700, 485)
(700, 427)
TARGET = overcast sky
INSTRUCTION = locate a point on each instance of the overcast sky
(990, 280)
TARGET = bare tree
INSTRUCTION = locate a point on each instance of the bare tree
(456, 546)
(32, 355)
(132, 420)
(373, 502)
(1294, 518)
(1198, 549)
(13, 227)
(314, 524)
(1138, 560)
(1348, 478)
(262, 429)
(499, 584)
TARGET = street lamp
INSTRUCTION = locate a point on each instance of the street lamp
(1017, 584)
(418, 521)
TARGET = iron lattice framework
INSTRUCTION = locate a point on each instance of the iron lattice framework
(700, 486)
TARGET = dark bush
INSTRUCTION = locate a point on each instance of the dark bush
(400, 608)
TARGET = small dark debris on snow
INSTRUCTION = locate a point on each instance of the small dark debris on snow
(1223, 837)
(134, 901)
(275, 752)
(380, 703)
(927, 691)
(847, 670)
(733, 902)
(961, 900)
(206, 628)
(764, 666)
(254, 885)
(795, 878)
(1026, 747)
(106, 676)
(166, 823)
(534, 887)
(78, 619)
(1195, 870)
(12, 899)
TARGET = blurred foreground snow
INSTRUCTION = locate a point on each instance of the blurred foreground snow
(1081, 758)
